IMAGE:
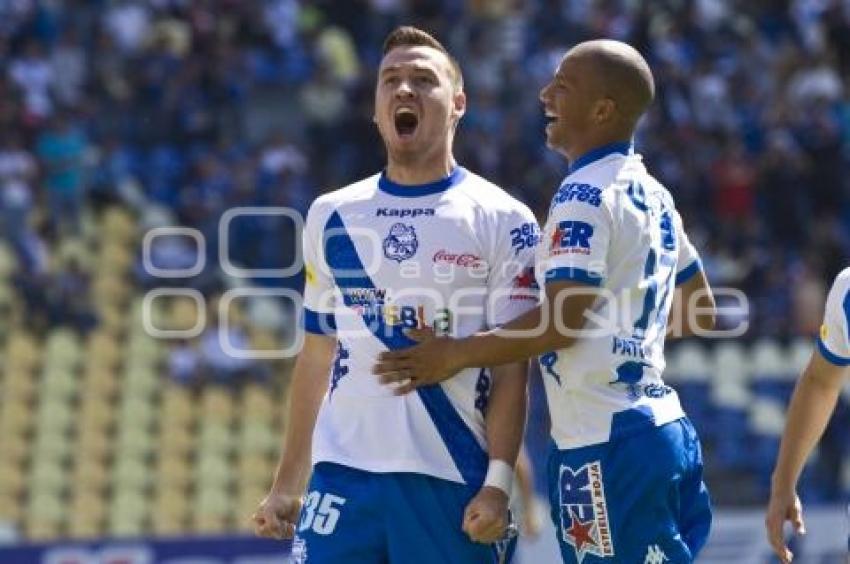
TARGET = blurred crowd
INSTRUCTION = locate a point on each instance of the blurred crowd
(183, 109)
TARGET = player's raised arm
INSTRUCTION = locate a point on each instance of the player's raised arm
(277, 514)
(811, 407)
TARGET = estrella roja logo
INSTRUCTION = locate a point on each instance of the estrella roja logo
(584, 511)
(571, 237)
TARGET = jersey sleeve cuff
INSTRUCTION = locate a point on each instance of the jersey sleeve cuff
(831, 356)
(688, 272)
(319, 323)
(572, 274)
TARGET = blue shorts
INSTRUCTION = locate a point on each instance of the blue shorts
(640, 498)
(355, 517)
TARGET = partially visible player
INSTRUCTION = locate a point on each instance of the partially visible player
(625, 474)
(422, 478)
(811, 406)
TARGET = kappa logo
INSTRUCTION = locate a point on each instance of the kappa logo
(401, 243)
(405, 212)
(654, 555)
(584, 511)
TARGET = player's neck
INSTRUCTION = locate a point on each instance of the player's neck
(580, 150)
(420, 173)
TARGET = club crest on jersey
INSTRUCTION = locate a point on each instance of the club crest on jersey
(401, 243)
(584, 511)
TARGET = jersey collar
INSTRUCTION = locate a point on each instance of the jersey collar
(415, 190)
(623, 147)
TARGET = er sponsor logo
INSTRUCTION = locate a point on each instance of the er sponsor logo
(571, 237)
(584, 511)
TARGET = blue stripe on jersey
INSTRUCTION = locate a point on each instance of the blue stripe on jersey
(319, 323)
(573, 275)
(688, 272)
(831, 356)
(623, 148)
(348, 271)
(415, 190)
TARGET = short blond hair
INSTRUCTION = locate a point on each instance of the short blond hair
(409, 36)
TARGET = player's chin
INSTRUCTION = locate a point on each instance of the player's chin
(552, 144)
(407, 153)
(404, 142)
(555, 143)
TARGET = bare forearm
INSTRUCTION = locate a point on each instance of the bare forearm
(525, 337)
(811, 407)
(506, 412)
(694, 310)
(309, 384)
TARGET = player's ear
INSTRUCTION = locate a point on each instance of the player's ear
(459, 104)
(604, 110)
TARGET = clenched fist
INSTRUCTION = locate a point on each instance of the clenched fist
(277, 516)
(486, 516)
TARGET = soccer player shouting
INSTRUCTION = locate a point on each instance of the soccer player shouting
(405, 479)
(625, 472)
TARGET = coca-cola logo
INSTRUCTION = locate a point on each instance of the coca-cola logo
(466, 260)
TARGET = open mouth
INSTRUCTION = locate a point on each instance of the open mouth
(406, 122)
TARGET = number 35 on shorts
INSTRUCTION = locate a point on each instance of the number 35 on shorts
(320, 513)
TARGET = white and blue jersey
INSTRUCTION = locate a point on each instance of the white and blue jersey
(613, 226)
(834, 341)
(456, 255)
(625, 472)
